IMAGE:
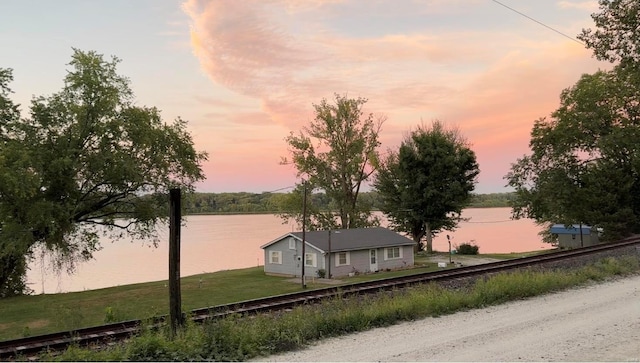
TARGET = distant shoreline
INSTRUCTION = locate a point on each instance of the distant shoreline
(276, 212)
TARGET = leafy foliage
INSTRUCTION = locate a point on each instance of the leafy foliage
(13, 261)
(337, 153)
(467, 249)
(585, 161)
(616, 37)
(272, 203)
(87, 156)
(491, 200)
(424, 186)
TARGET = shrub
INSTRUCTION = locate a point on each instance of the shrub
(322, 273)
(467, 249)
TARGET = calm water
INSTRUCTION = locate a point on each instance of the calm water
(215, 243)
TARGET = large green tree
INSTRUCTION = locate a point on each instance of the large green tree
(424, 186)
(336, 153)
(87, 160)
(585, 160)
(13, 256)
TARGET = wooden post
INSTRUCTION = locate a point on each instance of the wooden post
(304, 224)
(329, 252)
(175, 299)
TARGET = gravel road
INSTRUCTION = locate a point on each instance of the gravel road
(595, 323)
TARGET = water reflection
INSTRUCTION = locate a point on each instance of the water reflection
(215, 243)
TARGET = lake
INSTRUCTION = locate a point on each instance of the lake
(212, 243)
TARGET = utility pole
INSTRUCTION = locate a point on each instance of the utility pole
(175, 299)
(304, 226)
(329, 252)
(581, 239)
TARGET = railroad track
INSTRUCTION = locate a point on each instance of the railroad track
(31, 346)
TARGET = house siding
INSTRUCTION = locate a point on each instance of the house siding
(573, 240)
(570, 236)
(290, 264)
(406, 260)
(359, 261)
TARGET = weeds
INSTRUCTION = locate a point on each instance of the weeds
(238, 338)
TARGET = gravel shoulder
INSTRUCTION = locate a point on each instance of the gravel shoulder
(600, 322)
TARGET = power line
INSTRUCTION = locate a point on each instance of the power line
(539, 22)
(277, 190)
(506, 220)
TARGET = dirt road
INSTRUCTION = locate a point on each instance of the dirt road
(595, 323)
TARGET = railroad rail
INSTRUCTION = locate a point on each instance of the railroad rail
(31, 346)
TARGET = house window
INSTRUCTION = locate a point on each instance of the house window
(292, 243)
(310, 259)
(342, 259)
(275, 257)
(393, 253)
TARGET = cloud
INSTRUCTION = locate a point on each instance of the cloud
(251, 118)
(240, 48)
(285, 55)
(250, 47)
(591, 6)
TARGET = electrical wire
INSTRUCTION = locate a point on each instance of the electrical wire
(280, 189)
(506, 220)
(539, 22)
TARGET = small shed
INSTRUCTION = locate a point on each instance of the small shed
(338, 252)
(575, 236)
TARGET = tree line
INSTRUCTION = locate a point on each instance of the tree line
(256, 203)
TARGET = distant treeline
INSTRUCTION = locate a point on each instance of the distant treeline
(246, 203)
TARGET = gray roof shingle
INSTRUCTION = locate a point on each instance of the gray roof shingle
(351, 239)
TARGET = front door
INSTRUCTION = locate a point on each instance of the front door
(373, 260)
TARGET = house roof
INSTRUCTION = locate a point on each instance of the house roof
(350, 239)
(572, 229)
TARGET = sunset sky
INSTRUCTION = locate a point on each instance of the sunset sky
(245, 73)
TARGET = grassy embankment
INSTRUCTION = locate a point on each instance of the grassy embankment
(237, 338)
(40, 314)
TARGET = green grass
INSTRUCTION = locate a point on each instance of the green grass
(41, 314)
(238, 338)
(509, 256)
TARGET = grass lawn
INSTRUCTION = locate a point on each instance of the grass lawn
(41, 314)
(508, 256)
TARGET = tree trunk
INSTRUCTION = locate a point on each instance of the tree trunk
(417, 247)
(429, 238)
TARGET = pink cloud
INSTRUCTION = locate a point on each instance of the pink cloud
(251, 118)
(590, 6)
(285, 56)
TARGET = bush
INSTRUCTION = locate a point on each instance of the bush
(322, 273)
(467, 249)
